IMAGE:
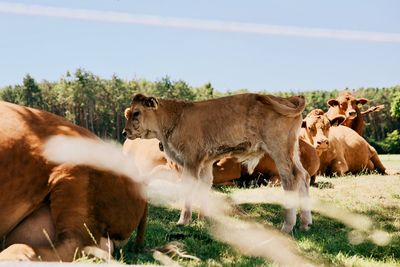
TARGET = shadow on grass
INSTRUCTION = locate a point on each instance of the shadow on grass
(197, 242)
(330, 237)
(324, 241)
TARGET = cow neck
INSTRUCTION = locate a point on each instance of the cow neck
(171, 112)
(358, 123)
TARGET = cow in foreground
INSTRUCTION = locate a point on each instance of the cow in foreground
(246, 126)
(73, 203)
(341, 150)
(348, 105)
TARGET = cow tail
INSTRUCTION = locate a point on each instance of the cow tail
(141, 229)
(290, 107)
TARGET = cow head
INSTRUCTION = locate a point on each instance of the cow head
(141, 120)
(346, 104)
(317, 127)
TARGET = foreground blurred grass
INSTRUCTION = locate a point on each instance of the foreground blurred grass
(326, 243)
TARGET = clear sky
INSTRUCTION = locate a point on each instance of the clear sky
(285, 45)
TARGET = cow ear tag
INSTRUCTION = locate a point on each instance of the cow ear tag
(359, 105)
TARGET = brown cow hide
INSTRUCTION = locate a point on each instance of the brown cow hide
(79, 197)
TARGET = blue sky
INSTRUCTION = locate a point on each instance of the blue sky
(46, 47)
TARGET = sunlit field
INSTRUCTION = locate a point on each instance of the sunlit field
(328, 242)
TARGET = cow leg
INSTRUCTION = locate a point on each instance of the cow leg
(206, 177)
(31, 231)
(74, 226)
(376, 162)
(339, 166)
(186, 212)
(294, 182)
(302, 177)
(287, 183)
(305, 201)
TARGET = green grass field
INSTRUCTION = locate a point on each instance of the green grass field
(326, 243)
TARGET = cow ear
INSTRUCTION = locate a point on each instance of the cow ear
(151, 102)
(361, 101)
(336, 121)
(304, 124)
(333, 102)
(127, 113)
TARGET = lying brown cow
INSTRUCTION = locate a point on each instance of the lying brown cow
(341, 150)
(81, 199)
(246, 126)
(308, 157)
(148, 155)
(228, 169)
(346, 104)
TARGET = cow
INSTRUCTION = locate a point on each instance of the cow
(147, 155)
(84, 203)
(348, 105)
(267, 167)
(196, 134)
(341, 150)
(38, 230)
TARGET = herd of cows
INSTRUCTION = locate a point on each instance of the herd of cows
(214, 141)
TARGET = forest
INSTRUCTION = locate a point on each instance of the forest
(98, 104)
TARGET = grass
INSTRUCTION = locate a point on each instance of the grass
(326, 243)
(391, 162)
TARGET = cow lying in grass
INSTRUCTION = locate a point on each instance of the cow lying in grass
(246, 126)
(84, 203)
(346, 104)
(341, 150)
(147, 156)
(267, 167)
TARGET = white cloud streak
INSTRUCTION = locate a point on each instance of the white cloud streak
(195, 24)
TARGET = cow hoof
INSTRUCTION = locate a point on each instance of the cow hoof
(286, 228)
(306, 220)
(305, 227)
(185, 217)
(18, 252)
(182, 222)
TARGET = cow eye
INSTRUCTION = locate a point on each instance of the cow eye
(135, 114)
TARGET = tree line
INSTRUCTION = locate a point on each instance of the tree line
(98, 104)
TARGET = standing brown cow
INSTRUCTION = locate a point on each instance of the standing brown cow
(341, 150)
(346, 104)
(246, 126)
(80, 198)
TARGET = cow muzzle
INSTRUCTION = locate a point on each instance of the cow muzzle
(322, 144)
(128, 134)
